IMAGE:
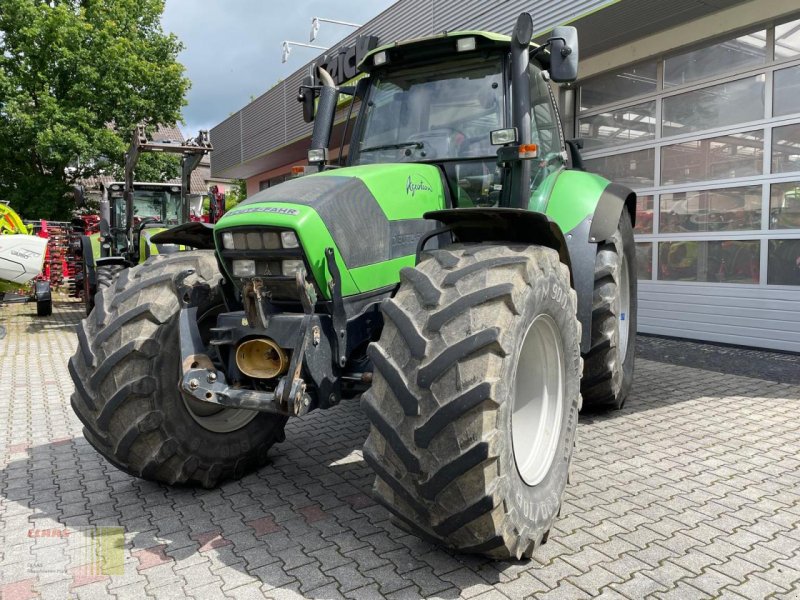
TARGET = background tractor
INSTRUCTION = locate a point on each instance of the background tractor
(462, 275)
(131, 212)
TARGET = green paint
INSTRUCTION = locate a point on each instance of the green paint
(387, 273)
(94, 241)
(541, 194)
(403, 190)
(574, 197)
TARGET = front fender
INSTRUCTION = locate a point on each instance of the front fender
(513, 225)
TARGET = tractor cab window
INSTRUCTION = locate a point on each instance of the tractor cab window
(162, 205)
(544, 120)
(437, 113)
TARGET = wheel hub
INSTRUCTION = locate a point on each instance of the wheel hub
(538, 396)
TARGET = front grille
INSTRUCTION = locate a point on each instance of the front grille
(259, 245)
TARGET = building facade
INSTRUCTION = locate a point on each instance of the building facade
(694, 104)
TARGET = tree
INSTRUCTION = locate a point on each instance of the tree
(236, 194)
(68, 69)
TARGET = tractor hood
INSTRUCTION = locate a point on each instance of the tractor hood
(371, 216)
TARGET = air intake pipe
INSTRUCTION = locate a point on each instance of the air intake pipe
(326, 110)
(521, 107)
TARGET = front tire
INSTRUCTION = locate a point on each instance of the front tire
(475, 397)
(126, 373)
(608, 366)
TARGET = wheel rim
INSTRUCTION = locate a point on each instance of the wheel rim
(212, 417)
(538, 400)
(624, 308)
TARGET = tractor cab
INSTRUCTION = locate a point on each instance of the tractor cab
(454, 113)
(155, 205)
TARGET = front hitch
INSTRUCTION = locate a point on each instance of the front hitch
(202, 381)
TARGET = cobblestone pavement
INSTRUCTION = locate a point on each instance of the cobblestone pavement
(692, 491)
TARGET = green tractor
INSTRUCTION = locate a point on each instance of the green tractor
(462, 275)
(132, 212)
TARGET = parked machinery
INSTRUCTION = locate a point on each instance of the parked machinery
(132, 212)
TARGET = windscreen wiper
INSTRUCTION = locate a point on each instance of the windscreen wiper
(394, 146)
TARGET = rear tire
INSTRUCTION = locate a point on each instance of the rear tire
(451, 402)
(126, 372)
(608, 366)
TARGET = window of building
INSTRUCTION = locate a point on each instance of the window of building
(784, 205)
(786, 149)
(728, 261)
(730, 55)
(644, 260)
(644, 214)
(718, 105)
(621, 126)
(787, 40)
(729, 209)
(724, 157)
(783, 262)
(634, 169)
(786, 92)
(608, 88)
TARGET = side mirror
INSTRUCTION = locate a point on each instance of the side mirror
(306, 96)
(563, 54)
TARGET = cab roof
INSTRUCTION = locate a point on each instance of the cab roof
(425, 47)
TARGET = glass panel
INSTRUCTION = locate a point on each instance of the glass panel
(724, 157)
(786, 149)
(644, 260)
(644, 215)
(787, 40)
(747, 50)
(544, 122)
(731, 209)
(622, 126)
(634, 169)
(628, 82)
(715, 106)
(786, 92)
(729, 261)
(783, 262)
(784, 205)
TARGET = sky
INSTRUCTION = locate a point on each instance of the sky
(233, 47)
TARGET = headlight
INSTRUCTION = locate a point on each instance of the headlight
(244, 268)
(289, 239)
(290, 267)
(227, 241)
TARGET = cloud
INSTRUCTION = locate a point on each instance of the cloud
(233, 47)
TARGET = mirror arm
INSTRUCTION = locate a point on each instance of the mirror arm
(565, 51)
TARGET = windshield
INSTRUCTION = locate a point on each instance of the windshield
(441, 112)
(160, 204)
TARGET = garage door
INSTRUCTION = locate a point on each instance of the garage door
(710, 140)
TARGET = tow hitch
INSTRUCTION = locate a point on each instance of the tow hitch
(204, 382)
